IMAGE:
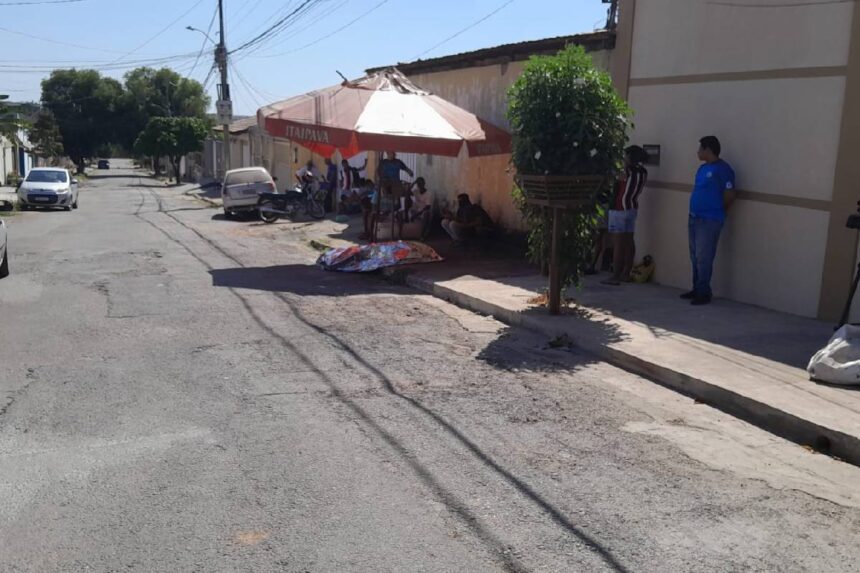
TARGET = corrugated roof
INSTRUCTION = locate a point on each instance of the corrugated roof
(240, 125)
(602, 40)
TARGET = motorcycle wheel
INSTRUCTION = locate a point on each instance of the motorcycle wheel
(267, 217)
(316, 209)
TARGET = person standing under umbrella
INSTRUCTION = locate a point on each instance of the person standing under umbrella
(331, 183)
(388, 175)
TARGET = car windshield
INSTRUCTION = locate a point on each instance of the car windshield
(36, 176)
(248, 177)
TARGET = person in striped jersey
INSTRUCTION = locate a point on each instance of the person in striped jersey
(622, 214)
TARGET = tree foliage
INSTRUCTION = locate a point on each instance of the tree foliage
(93, 111)
(172, 137)
(11, 121)
(158, 93)
(85, 105)
(45, 135)
(566, 119)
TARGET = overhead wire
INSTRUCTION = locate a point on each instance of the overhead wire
(58, 42)
(160, 32)
(279, 26)
(278, 14)
(327, 36)
(467, 28)
(235, 25)
(259, 99)
(308, 25)
(36, 2)
(206, 39)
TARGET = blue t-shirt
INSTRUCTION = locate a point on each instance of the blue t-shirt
(712, 180)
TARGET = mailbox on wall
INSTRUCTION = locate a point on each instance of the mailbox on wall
(653, 152)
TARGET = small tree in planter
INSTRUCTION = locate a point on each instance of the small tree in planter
(569, 129)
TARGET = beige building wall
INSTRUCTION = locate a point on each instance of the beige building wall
(771, 84)
(483, 91)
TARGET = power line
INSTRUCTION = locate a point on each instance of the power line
(309, 25)
(35, 2)
(249, 89)
(110, 66)
(205, 39)
(248, 12)
(326, 37)
(467, 28)
(59, 43)
(279, 26)
(160, 32)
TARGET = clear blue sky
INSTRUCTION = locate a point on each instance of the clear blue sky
(117, 32)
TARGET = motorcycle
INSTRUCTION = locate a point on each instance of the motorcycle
(307, 197)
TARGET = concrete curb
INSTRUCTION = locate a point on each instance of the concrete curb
(203, 198)
(777, 421)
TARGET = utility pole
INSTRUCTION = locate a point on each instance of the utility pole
(224, 106)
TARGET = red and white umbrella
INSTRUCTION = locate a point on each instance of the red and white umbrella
(384, 111)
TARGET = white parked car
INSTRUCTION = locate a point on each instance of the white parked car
(242, 187)
(4, 255)
(48, 187)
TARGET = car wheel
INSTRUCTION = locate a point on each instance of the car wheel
(75, 204)
(25, 207)
(4, 266)
(67, 208)
(228, 214)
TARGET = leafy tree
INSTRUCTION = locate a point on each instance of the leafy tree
(158, 93)
(566, 119)
(172, 137)
(87, 110)
(45, 135)
(10, 122)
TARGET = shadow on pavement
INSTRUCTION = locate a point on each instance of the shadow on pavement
(782, 338)
(303, 280)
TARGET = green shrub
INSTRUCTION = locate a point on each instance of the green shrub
(566, 119)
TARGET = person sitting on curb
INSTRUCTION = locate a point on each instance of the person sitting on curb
(622, 214)
(469, 221)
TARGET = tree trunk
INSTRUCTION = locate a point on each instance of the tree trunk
(175, 161)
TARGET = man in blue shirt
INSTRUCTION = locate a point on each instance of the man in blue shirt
(712, 195)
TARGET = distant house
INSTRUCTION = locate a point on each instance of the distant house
(251, 146)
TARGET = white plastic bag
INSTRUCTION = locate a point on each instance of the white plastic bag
(839, 361)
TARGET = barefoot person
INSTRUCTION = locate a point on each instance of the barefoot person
(622, 214)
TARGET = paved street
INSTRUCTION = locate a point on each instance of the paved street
(179, 392)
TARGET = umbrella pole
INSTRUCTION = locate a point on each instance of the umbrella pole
(554, 264)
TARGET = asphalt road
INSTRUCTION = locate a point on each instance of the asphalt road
(179, 392)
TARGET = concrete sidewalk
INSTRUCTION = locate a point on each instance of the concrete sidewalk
(747, 361)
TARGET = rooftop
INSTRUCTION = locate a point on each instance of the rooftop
(601, 40)
(240, 125)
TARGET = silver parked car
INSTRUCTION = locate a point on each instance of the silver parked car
(243, 186)
(48, 187)
(4, 254)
